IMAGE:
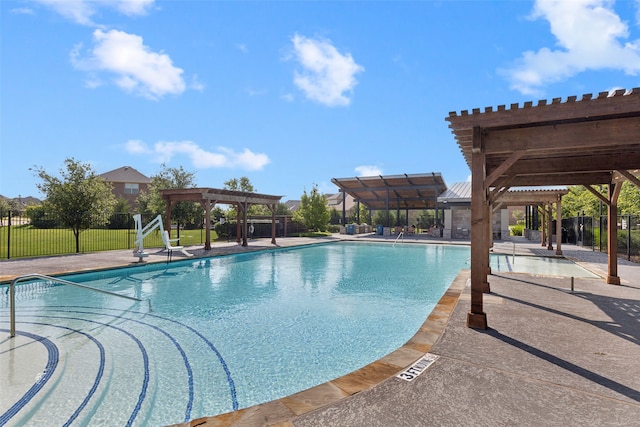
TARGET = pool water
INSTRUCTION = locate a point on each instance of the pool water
(546, 266)
(224, 333)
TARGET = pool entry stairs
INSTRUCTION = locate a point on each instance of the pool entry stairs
(114, 363)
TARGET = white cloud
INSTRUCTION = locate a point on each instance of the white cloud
(366, 170)
(590, 36)
(136, 68)
(288, 97)
(135, 146)
(82, 11)
(327, 76)
(22, 11)
(164, 151)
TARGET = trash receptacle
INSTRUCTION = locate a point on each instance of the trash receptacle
(351, 229)
(380, 230)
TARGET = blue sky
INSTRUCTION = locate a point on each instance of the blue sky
(287, 93)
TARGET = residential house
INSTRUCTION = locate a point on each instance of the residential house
(127, 183)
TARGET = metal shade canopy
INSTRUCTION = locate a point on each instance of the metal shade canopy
(407, 191)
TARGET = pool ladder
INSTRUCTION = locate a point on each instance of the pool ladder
(12, 293)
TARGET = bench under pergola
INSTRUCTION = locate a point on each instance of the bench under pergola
(590, 141)
(209, 197)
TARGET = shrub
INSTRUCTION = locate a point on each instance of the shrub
(516, 230)
(333, 228)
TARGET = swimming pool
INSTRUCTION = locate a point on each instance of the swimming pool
(224, 332)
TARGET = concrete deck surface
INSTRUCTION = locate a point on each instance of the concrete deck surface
(550, 357)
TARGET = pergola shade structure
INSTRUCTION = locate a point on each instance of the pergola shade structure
(591, 141)
(543, 199)
(209, 197)
(407, 191)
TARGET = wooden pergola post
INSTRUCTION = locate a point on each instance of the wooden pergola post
(612, 234)
(273, 224)
(167, 215)
(476, 317)
(207, 204)
(245, 226)
(238, 226)
(543, 240)
(488, 233)
(559, 225)
(550, 227)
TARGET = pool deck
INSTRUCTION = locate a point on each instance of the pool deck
(550, 357)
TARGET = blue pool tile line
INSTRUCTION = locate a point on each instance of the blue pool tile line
(177, 345)
(52, 364)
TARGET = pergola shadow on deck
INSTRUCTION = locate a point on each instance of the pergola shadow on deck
(209, 197)
(591, 141)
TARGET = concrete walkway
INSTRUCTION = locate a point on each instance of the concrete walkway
(551, 357)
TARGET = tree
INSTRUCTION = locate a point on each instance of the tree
(121, 218)
(77, 196)
(183, 213)
(244, 184)
(380, 218)
(4, 210)
(518, 215)
(313, 211)
(579, 200)
(365, 214)
(629, 200)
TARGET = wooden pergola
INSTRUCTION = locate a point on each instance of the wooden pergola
(591, 141)
(545, 200)
(209, 197)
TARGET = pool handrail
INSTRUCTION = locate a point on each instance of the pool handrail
(12, 294)
(400, 236)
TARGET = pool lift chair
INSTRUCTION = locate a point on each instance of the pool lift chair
(141, 233)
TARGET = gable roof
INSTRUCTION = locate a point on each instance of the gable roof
(125, 174)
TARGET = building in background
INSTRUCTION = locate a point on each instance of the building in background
(127, 183)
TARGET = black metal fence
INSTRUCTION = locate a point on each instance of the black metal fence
(35, 232)
(592, 232)
(39, 233)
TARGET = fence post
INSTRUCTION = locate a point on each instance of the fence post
(9, 235)
(628, 237)
(600, 230)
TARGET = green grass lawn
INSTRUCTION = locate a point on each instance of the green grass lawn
(27, 241)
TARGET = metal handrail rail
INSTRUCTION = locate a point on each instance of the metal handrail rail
(12, 293)
(400, 235)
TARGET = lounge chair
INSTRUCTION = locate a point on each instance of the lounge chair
(167, 243)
